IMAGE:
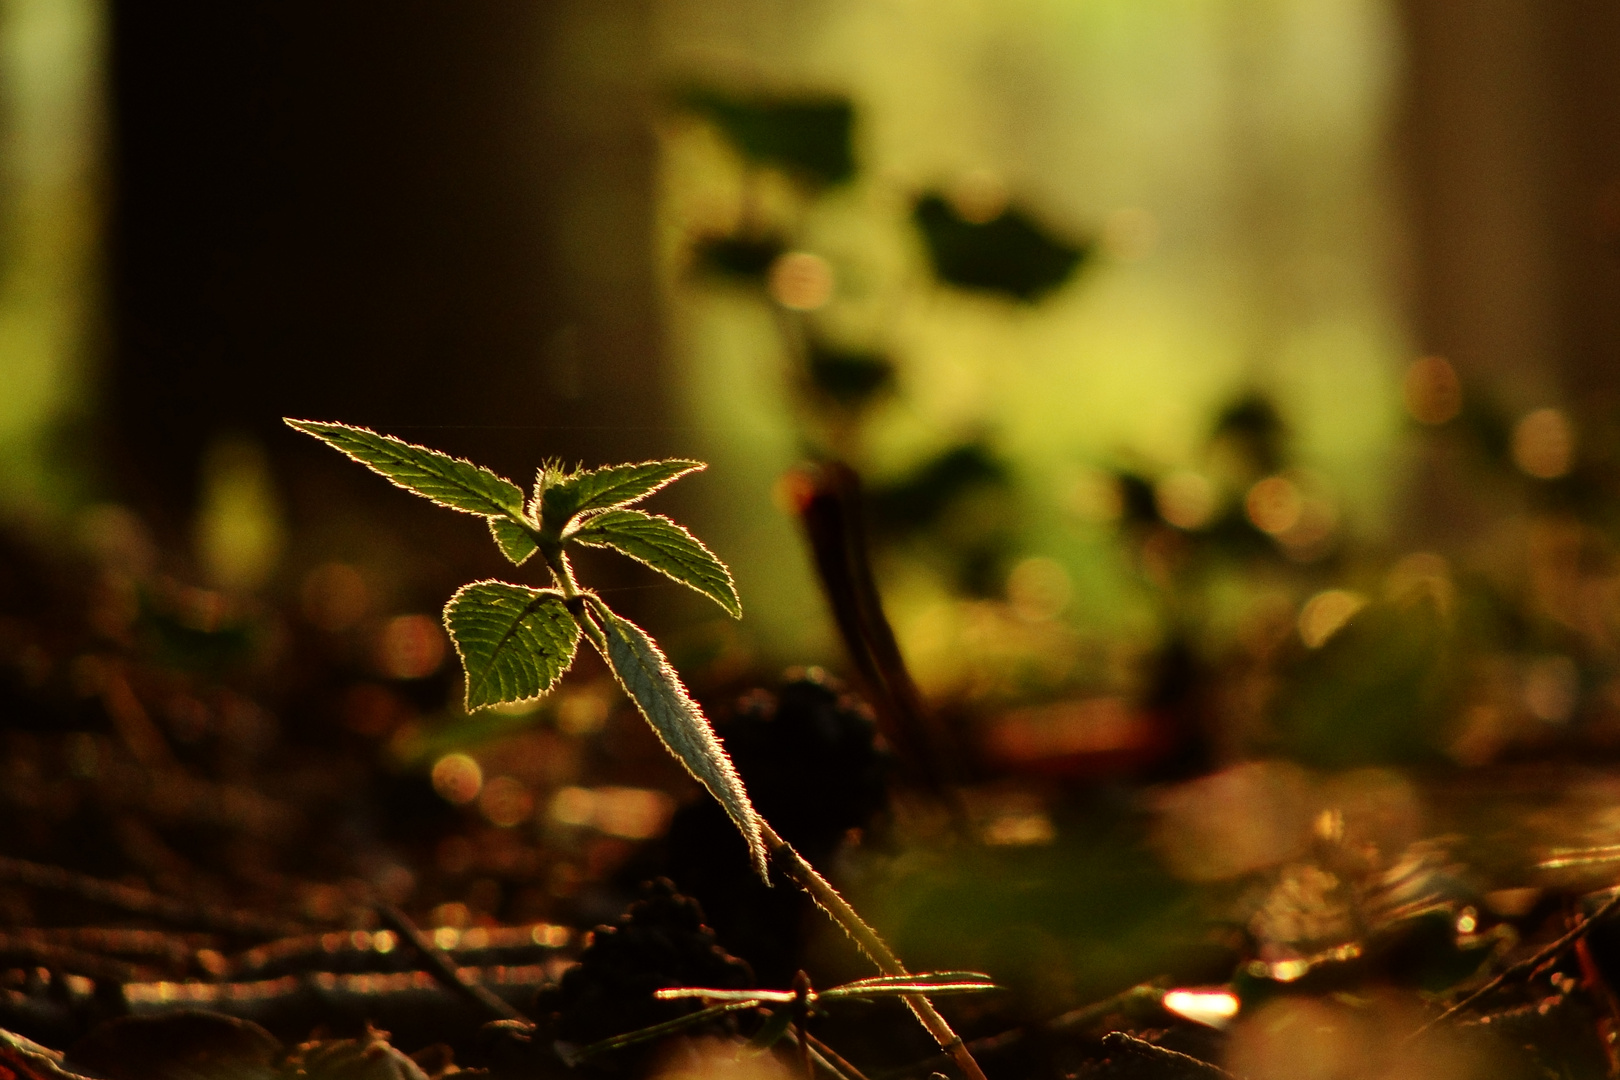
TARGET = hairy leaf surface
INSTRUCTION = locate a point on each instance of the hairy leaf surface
(652, 684)
(565, 497)
(448, 481)
(514, 642)
(664, 546)
(515, 542)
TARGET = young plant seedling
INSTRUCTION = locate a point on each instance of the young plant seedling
(515, 642)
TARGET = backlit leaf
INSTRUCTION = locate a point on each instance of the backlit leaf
(448, 481)
(515, 542)
(565, 497)
(653, 685)
(664, 546)
(514, 642)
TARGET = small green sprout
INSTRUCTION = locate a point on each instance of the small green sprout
(516, 641)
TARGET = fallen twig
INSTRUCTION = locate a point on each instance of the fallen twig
(142, 902)
(443, 968)
(1120, 1042)
(1529, 963)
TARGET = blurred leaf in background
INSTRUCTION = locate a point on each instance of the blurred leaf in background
(1009, 253)
(810, 138)
(50, 143)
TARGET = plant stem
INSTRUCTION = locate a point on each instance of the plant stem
(794, 864)
(837, 908)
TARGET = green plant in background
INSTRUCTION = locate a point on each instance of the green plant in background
(515, 642)
(990, 246)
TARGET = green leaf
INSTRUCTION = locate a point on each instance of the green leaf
(664, 546)
(563, 498)
(653, 685)
(808, 136)
(514, 642)
(515, 541)
(448, 481)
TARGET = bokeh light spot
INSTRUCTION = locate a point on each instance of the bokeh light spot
(457, 778)
(633, 813)
(801, 281)
(1274, 505)
(1326, 613)
(978, 197)
(573, 806)
(1431, 390)
(1544, 444)
(334, 596)
(1039, 589)
(1212, 1008)
(505, 802)
(1185, 499)
(582, 713)
(410, 647)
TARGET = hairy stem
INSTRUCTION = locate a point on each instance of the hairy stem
(837, 908)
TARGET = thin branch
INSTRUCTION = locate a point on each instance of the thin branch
(824, 1056)
(829, 900)
(443, 968)
(1120, 1042)
(831, 514)
(142, 902)
(1529, 963)
(19, 950)
(833, 1060)
(1083, 1017)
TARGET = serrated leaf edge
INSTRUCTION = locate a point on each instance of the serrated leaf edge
(494, 524)
(692, 466)
(306, 426)
(466, 696)
(734, 608)
(749, 823)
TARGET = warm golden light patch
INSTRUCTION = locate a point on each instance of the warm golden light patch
(410, 647)
(801, 281)
(1274, 505)
(1326, 613)
(1431, 390)
(457, 778)
(1185, 499)
(1544, 444)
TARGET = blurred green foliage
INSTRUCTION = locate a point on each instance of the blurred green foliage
(810, 138)
(1009, 254)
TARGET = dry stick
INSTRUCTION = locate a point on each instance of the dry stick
(441, 967)
(17, 950)
(1120, 1042)
(828, 899)
(142, 902)
(1529, 963)
(832, 1060)
(1083, 1017)
(829, 510)
(824, 1056)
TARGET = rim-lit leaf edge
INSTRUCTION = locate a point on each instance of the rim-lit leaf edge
(535, 600)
